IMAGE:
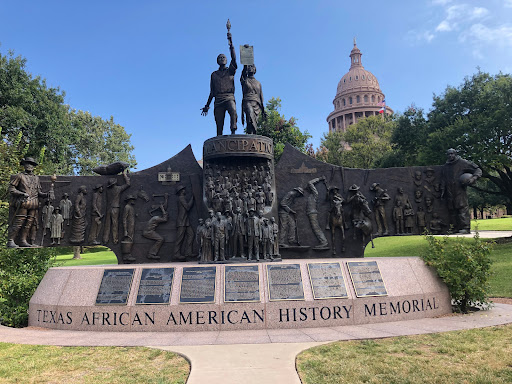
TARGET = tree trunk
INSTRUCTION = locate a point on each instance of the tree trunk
(475, 213)
(482, 213)
(509, 207)
(76, 253)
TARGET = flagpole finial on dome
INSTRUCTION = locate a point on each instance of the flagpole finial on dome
(354, 41)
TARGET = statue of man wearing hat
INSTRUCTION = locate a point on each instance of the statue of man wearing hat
(457, 174)
(379, 201)
(287, 221)
(96, 214)
(114, 204)
(25, 191)
(185, 232)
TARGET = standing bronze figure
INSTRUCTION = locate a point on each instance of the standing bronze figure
(222, 88)
(96, 214)
(457, 174)
(312, 212)
(79, 223)
(185, 233)
(25, 191)
(252, 102)
(114, 200)
(380, 199)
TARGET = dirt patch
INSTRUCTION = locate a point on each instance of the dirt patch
(501, 300)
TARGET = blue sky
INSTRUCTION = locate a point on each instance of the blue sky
(148, 63)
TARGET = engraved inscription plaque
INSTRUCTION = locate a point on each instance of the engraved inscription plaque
(115, 287)
(242, 284)
(155, 286)
(284, 282)
(327, 281)
(366, 278)
(247, 55)
(198, 285)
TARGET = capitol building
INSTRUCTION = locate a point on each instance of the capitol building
(358, 95)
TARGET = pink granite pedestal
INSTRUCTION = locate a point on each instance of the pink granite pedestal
(66, 298)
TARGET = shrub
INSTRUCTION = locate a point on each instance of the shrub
(465, 267)
(21, 271)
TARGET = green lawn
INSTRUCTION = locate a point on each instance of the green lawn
(500, 281)
(502, 224)
(475, 356)
(48, 364)
(92, 256)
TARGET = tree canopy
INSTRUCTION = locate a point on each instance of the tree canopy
(74, 141)
(363, 145)
(280, 129)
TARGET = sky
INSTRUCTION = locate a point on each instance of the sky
(148, 63)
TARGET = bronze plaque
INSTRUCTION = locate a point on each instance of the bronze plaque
(115, 287)
(198, 285)
(241, 283)
(366, 278)
(284, 282)
(155, 286)
(327, 281)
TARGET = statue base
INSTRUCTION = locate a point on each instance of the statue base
(66, 298)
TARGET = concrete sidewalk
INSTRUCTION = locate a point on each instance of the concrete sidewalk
(261, 356)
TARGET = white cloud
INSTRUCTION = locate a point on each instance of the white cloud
(481, 34)
(459, 14)
(442, 2)
(420, 36)
(444, 26)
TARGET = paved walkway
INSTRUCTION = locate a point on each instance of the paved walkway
(262, 356)
(486, 234)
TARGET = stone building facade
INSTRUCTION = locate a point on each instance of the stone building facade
(358, 95)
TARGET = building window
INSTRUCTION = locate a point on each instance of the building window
(357, 77)
(373, 98)
(378, 99)
(365, 98)
(350, 100)
(344, 103)
(363, 77)
(350, 79)
(358, 98)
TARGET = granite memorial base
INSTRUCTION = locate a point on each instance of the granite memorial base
(192, 297)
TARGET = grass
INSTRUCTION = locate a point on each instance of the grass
(501, 255)
(474, 356)
(48, 364)
(92, 256)
(501, 224)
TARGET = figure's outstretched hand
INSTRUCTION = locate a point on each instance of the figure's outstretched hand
(204, 111)
(229, 38)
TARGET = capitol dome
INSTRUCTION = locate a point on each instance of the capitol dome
(358, 95)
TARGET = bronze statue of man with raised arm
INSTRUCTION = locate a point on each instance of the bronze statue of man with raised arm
(222, 88)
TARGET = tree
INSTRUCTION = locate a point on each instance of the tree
(408, 136)
(363, 145)
(331, 148)
(98, 141)
(480, 200)
(281, 130)
(28, 106)
(75, 142)
(476, 119)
